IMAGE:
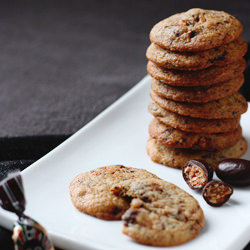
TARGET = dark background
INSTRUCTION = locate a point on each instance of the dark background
(62, 62)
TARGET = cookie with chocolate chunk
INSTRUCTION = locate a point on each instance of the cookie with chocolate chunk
(160, 213)
(180, 139)
(204, 77)
(190, 124)
(90, 191)
(228, 107)
(196, 30)
(199, 94)
(219, 56)
(177, 157)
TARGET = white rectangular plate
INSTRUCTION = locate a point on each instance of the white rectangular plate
(118, 136)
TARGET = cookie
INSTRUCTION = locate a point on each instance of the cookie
(228, 107)
(196, 30)
(190, 124)
(218, 56)
(180, 139)
(208, 76)
(90, 191)
(176, 157)
(198, 94)
(160, 214)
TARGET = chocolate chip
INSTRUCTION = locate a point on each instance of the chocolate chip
(130, 217)
(145, 198)
(218, 58)
(130, 171)
(128, 199)
(176, 33)
(197, 19)
(192, 34)
(116, 210)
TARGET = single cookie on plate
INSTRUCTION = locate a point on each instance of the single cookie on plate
(160, 214)
(196, 30)
(177, 157)
(198, 94)
(227, 107)
(190, 124)
(218, 56)
(180, 139)
(208, 76)
(90, 191)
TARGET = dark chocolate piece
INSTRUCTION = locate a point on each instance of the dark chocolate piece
(130, 217)
(27, 233)
(234, 171)
(216, 193)
(12, 194)
(197, 174)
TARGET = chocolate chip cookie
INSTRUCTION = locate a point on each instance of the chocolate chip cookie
(160, 213)
(198, 94)
(177, 157)
(219, 56)
(180, 139)
(196, 30)
(190, 124)
(208, 76)
(228, 107)
(90, 191)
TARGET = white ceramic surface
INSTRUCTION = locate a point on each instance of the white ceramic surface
(118, 136)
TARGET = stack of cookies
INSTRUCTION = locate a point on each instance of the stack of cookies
(196, 62)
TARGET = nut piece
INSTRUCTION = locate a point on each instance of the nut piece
(216, 193)
(234, 171)
(197, 174)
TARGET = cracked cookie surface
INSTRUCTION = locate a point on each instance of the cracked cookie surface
(196, 30)
(160, 213)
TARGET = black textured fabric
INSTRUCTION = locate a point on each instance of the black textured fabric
(62, 62)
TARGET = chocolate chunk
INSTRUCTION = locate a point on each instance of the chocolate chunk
(192, 34)
(197, 174)
(216, 193)
(116, 210)
(218, 58)
(130, 217)
(234, 171)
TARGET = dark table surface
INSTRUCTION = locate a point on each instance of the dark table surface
(63, 62)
